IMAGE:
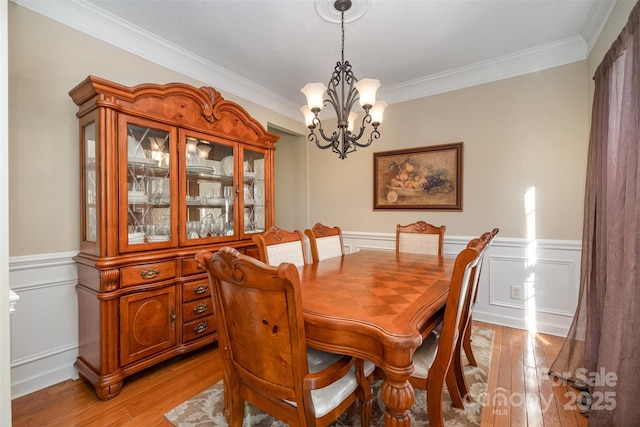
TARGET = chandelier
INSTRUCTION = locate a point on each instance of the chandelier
(343, 91)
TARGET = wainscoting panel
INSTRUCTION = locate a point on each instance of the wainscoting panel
(544, 273)
(44, 326)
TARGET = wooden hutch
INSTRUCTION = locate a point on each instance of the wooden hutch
(166, 171)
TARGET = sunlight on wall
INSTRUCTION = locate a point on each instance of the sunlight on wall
(529, 291)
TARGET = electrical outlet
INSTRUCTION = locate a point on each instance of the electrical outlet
(516, 292)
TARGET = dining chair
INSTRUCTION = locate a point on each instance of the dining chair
(420, 238)
(434, 358)
(266, 360)
(276, 245)
(481, 244)
(325, 242)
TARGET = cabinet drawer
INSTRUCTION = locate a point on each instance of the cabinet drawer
(191, 266)
(144, 273)
(196, 309)
(196, 290)
(198, 328)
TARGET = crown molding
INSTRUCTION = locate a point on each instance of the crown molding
(524, 62)
(89, 19)
(596, 20)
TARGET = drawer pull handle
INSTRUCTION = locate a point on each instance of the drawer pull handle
(150, 273)
(200, 289)
(200, 266)
(200, 308)
(173, 317)
(201, 327)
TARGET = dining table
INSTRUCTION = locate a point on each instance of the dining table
(377, 305)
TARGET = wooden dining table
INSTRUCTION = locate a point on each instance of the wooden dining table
(377, 305)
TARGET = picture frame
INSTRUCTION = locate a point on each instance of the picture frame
(424, 178)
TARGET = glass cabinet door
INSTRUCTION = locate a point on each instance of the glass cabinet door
(90, 228)
(149, 184)
(253, 191)
(211, 192)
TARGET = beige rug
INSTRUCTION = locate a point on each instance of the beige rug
(205, 409)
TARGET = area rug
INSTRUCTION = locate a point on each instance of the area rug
(205, 409)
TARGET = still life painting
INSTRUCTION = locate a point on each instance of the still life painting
(419, 178)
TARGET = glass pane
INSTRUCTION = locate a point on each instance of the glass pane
(254, 192)
(90, 224)
(210, 191)
(148, 184)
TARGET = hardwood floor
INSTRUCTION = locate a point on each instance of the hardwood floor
(520, 393)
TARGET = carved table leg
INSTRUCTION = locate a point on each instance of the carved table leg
(398, 398)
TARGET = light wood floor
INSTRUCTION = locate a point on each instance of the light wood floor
(519, 394)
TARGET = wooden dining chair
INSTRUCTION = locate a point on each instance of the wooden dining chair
(420, 238)
(325, 242)
(433, 359)
(265, 357)
(276, 245)
(481, 244)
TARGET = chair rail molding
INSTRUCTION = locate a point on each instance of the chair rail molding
(44, 328)
(531, 285)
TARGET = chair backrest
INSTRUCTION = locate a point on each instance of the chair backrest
(454, 312)
(264, 350)
(260, 322)
(420, 238)
(481, 244)
(325, 242)
(277, 245)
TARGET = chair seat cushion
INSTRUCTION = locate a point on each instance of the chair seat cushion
(425, 354)
(327, 398)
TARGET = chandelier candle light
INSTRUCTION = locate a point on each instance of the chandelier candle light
(343, 91)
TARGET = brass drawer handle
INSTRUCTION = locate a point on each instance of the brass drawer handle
(200, 289)
(200, 308)
(150, 273)
(201, 327)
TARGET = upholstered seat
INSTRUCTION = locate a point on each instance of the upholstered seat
(276, 245)
(420, 238)
(325, 242)
(265, 357)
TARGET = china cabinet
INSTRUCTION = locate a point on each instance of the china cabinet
(166, 171)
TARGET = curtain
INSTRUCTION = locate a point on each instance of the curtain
(602, 349)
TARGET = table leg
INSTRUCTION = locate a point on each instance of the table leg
(398, 397)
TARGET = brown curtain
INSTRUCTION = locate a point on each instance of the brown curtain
(602, 348)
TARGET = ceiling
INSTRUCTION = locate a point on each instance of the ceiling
(266, 50)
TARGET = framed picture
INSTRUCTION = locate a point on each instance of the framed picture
(419, 178)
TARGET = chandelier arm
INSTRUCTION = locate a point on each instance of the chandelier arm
(375, 134)
(317, 123)
(365, 120)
